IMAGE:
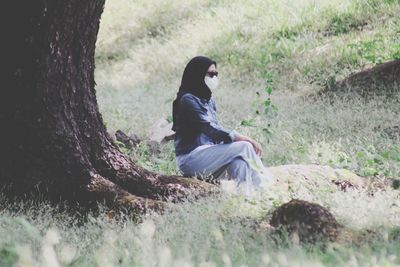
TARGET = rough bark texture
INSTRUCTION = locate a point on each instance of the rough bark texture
(53, 139)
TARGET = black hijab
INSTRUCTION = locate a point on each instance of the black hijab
(193, 82)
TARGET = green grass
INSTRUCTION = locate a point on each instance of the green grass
(217, 231)
(282, 50)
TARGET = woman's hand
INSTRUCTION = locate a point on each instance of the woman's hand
(257, 147)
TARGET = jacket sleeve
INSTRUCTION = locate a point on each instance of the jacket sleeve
(232, 133)
(197, 115)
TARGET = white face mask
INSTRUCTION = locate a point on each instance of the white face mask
(212, 83)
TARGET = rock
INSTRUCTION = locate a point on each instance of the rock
(161, 131)
(134, 138)
(305, 222)
(128, 141)
(310, 177)
(315, 176)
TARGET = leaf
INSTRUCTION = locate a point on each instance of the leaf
(268, 89)
(249, 122)
(267, 102)
(267, 133)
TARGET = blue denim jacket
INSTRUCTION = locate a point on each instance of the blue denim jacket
(197, 125)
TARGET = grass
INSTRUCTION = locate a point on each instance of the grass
(281, 50)
(212, 232)
(218, 231)
(256, 45)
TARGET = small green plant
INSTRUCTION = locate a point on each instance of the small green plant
(270, 110)
(367, 50)
(247, 122)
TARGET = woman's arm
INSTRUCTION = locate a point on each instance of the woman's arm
(256, 145)
(197, 116)
(232, 133)
(235, 136)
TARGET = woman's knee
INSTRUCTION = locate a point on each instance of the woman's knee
(246, 149)
(242, 145)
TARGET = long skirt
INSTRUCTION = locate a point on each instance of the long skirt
(237, 161)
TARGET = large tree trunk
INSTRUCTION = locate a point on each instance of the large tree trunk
(53, 140)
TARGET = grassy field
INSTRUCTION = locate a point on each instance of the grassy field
(271, 55)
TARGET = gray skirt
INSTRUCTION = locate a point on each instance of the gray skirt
(237, 161)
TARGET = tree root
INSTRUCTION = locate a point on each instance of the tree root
(117, 198)
(122, 171)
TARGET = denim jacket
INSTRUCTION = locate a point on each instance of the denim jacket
(197, 125)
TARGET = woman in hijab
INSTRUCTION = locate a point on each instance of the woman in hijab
(203, 148)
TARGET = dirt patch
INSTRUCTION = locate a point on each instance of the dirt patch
(305, 222)
(383, 79)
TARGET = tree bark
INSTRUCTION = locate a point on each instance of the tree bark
(53, 140)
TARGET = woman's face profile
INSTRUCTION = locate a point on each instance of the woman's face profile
(212, 68)
(211, 78)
